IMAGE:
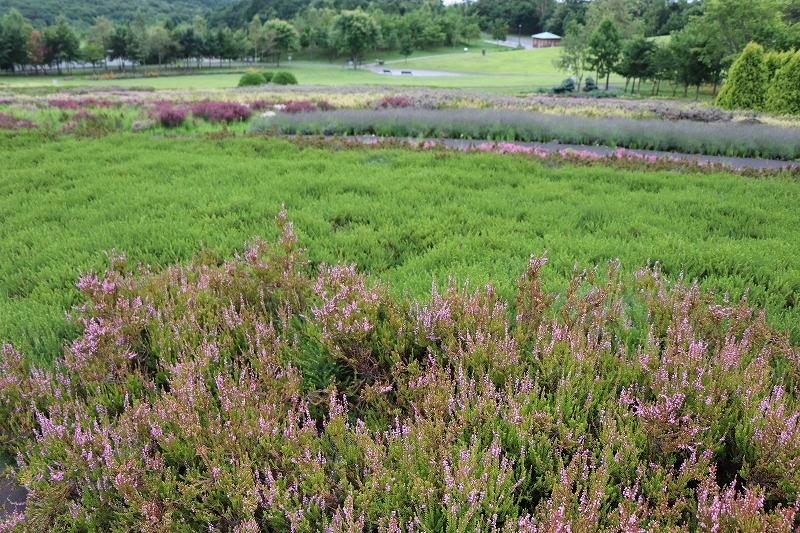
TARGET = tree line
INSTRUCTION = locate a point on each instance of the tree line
(611, 39)
(274, 28)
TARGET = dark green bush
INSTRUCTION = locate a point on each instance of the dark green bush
(268, 75)
(252, 79)
(284, 78)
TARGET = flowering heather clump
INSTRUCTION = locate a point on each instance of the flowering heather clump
(258, 105)
(324, 105)
(392, 102)
(27, 107)
(64, 104)
(10, 122)
(84, 115)
(168, 115)
(299, 106)
(142, 124)
(221, 111)
(263, 395)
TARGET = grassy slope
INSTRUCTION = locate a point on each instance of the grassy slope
(402, 215)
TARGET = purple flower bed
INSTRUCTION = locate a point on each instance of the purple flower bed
(299, 106)
(10, 122)
(64, 104)
(168, 115)
(261, 394)
(84, 115)
(325, 105)
(221, 111)
(259, 105)
(391, 102)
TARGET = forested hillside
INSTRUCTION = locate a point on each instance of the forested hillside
(83, 12)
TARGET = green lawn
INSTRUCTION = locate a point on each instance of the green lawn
(306, 74)
(404, 216)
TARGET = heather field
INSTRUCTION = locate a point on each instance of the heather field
(209, 326)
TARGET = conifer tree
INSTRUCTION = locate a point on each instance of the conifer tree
(783, 96)
(747, 81)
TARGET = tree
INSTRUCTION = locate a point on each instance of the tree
(284, 37)
(604, 48)
(160, 43)
(406, 46)
(574, 51)
(472, 32)
(38, 52)
(100, 33)
(118, 44)
(637, 61)
(734, 23)
(14, 32)
(63, 42)
(499, 30)
(664, 68)
(623, 13)
(783, 95)
(354, 32)
(93, 52)
(138, 47)
(747, 81)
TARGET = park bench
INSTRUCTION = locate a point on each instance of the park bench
(385, 71)
(405, 72)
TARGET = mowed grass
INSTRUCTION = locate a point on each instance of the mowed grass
(501, 69)
(408, 217)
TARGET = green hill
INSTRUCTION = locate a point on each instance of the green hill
(83, 12)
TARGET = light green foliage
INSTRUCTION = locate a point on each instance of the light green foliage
(284, 78)
(251, 79)
(499, 30)
(402, 215)
(285, 38)
(605, 47)
(774, 60)
(747, 81)
(354, 32)
(783, 96)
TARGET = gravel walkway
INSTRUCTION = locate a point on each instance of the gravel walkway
(12, 497)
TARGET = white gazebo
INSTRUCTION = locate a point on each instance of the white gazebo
(546, 40)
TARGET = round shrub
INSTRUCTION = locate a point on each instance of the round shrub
(268, 75)
(252, 79)
(747, 81)
(284, 78)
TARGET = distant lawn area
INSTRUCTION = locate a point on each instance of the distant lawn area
(406, 216)
(500, 69)
(306, 75)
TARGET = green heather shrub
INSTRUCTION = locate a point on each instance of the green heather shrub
(783, 96)
(284, 78)
(747, 81)
(268, 74)
(252, 79)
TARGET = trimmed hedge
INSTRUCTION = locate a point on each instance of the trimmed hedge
(252, 79)
(284, 78)
(783, 96)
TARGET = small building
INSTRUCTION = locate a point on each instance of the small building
(546, 40)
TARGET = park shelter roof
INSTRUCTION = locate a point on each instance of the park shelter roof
(546, 35)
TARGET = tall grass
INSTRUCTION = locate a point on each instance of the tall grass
(731, 139)
(406, 216)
